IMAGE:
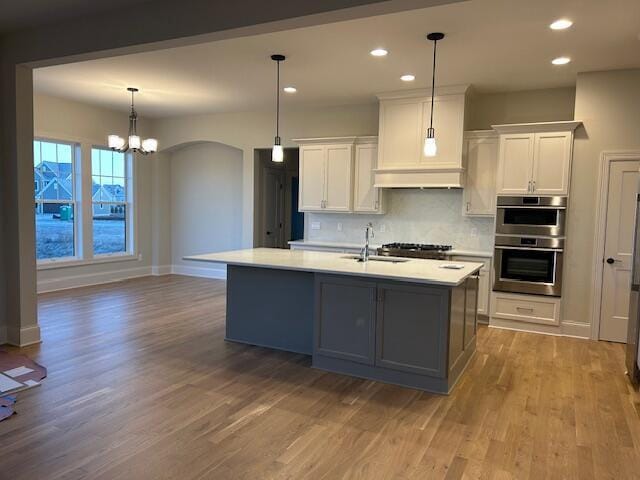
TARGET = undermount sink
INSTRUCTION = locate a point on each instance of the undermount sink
(378, 259)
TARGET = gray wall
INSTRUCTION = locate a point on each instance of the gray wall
(608, 103)
(206, 201)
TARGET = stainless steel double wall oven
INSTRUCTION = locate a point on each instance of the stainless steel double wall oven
(529, 245)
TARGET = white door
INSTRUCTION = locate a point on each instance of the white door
(312, 177)
(273, 209)
(480, 187)
(339, 165)
(515, 163)
(551, 163)
(616, 277)
(365, 195)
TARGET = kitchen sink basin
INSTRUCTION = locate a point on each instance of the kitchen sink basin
(379, 259)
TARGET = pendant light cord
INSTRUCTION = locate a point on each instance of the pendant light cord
(433, 81)
(278, 100)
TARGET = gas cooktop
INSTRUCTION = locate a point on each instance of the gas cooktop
(414, 250)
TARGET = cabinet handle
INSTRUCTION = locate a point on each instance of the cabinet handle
(377, 205)
(524, 309)
(529, 187)
(468, 206)
(533, 186)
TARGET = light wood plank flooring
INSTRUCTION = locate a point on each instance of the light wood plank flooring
(142, 386)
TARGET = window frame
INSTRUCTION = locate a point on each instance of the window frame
(76, 201)
(130, 206)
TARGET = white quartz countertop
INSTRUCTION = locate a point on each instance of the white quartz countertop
(327, 244)
(410, 270)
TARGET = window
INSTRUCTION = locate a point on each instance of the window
(55, 200)
(111, 198)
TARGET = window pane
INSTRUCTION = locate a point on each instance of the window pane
(54, 231)
(64, 153)
(118, 165)
(106, 163)
(95, 162)
(109, 228)
(49, 152)
(36, 153)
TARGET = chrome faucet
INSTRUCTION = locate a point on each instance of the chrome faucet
(364, 253)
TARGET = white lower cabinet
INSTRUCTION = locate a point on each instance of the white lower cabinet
(484, 282)
(526, 308)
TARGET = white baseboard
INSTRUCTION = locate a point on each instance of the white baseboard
(157, 270)
(23, 336)
(565, 329)
(215, 271)
(85, 280)
(3, 335)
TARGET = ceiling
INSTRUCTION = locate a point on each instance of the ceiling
(495, 45)
(17, 14)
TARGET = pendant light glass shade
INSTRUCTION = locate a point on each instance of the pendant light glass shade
(134, 141)
(150, 145)
(430, 148)
(277, 154)
(116, 142)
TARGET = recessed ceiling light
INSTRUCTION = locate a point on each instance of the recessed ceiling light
(290, 89)
(408, 78)
(561, 24)
(378, 52)
(561, 60)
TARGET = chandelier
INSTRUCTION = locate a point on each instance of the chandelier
(135, 143)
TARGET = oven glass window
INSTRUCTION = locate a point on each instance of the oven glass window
(528, 265)
(530, 216)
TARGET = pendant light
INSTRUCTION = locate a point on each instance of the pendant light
(277, 154)
(430, 147)
(134, 142)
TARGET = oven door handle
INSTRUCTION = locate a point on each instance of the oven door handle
(529, 207)
(538, 249)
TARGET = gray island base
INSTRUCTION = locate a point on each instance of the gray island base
(415, 334)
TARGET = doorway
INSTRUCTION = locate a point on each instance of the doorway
(619, 189)
(276, 217)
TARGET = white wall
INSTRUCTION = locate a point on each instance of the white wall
(608, 104)
(206, 204)
(61, 119)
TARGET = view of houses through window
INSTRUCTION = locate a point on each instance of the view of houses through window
(109, 197)
(57, 200)
(54, 199)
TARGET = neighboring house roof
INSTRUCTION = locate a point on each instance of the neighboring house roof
(108, 193)
(55, 169)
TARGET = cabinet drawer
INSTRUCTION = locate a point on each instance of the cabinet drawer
(526, 308)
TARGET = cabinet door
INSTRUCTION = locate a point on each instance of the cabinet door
(339, 169)
(483, 293)
(366, 198)
(515, 163)
(312, 177)
(480, 187)
(345, 319)
(400, 133)
(411, 329)
(552, 163)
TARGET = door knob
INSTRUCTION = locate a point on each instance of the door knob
(268, 233)
(610, 260)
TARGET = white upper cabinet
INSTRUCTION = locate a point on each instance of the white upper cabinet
(366, 197)
(535, 158)
(481, 160)
(336, 175)
(404, 119)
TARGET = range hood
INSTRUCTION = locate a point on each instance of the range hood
(404, 119)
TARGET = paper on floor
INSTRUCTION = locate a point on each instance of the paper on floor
(8, 383)
(18, 372)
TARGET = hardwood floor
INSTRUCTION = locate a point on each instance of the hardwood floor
(142, 386)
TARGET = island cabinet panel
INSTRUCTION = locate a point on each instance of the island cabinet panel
(412, 329)
(345, 319)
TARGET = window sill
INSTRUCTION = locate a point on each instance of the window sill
(53, 264)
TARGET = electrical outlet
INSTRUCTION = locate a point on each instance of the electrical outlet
(382, 228)
(339, 227)
(315, 225)
(474, 232)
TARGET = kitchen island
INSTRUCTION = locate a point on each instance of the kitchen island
(410, 322)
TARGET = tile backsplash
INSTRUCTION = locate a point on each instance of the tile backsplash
(413, 215)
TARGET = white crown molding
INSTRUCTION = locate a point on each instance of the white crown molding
(424, 92)
(562, 126)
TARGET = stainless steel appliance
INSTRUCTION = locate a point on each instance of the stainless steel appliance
(415, 250)
(633, 329)
(543, 216)
(530, 265)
